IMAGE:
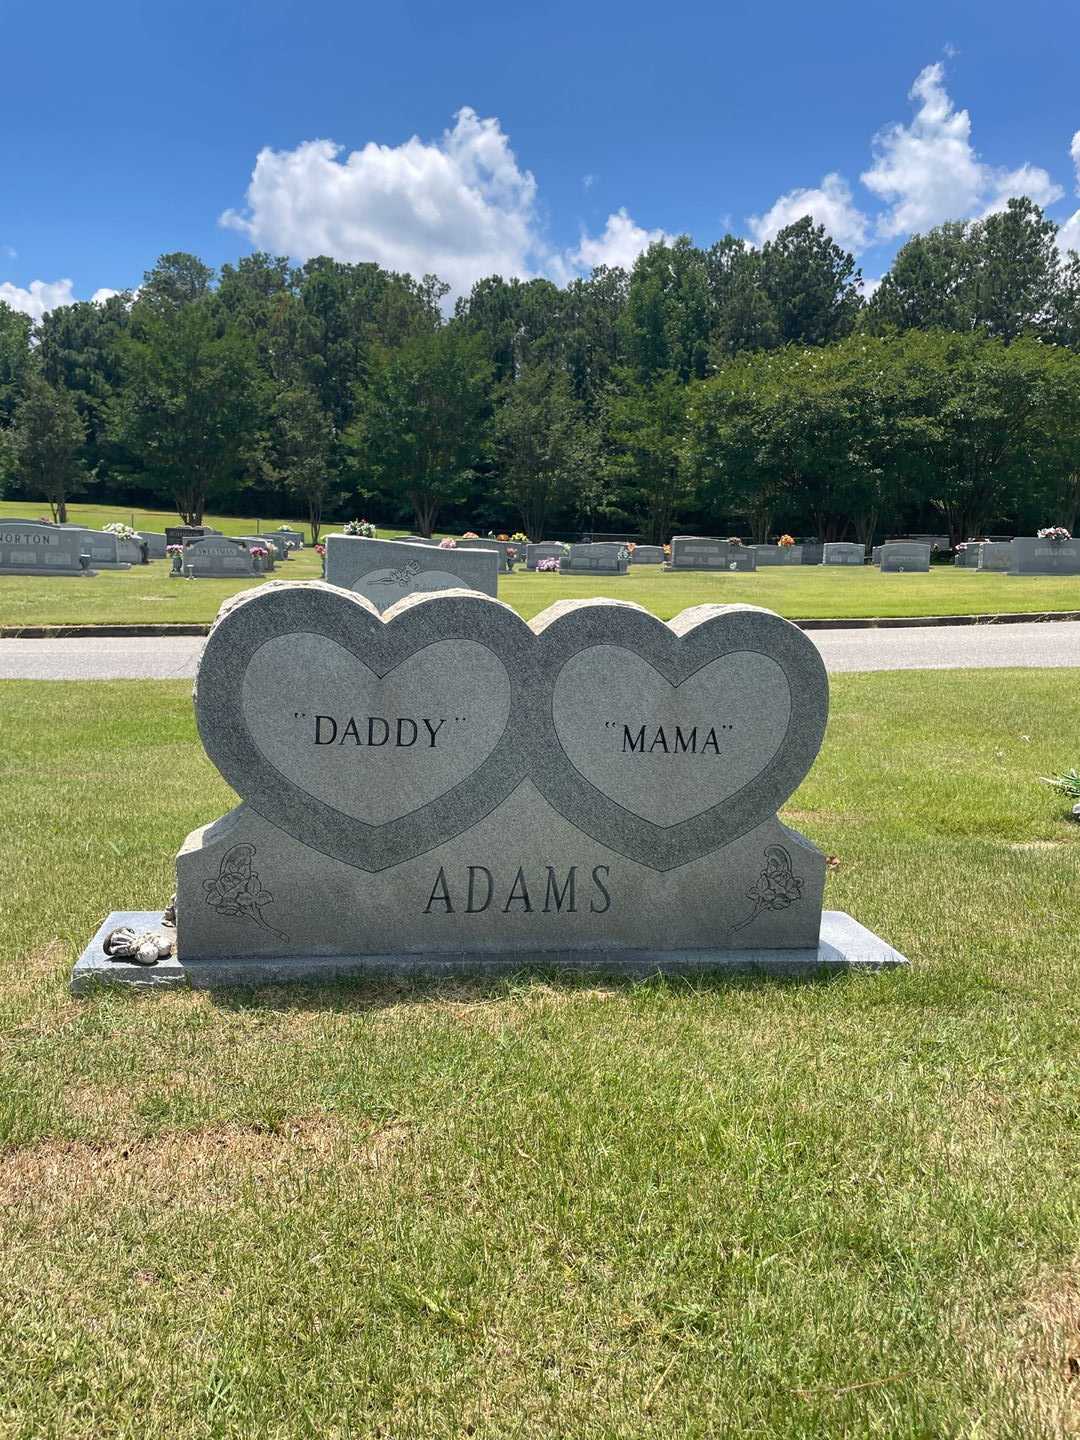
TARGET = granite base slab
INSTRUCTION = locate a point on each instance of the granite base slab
(94, 967)
(845, 945)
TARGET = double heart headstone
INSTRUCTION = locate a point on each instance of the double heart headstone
(445, 786)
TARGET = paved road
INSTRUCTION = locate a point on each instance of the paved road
(1052, 644)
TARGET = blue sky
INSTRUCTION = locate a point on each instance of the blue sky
(529, 139)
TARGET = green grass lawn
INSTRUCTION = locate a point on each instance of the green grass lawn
(549, 1207)
(145, 594)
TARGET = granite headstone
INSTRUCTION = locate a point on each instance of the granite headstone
(778, 555)
(604, 557)
(647, 555)
(1032, 556)
(995, 555)
(842, 552)
(447, 788)
(29, 547)
(217, 557)
(385, 571)
(544, 550)
(904, 556)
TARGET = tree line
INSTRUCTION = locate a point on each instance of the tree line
(731, 389)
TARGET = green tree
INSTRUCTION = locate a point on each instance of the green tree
(79, 351)
(536, 444)
(303, 450)
(421, 422)
(15, 330)
(645, 425)
(813, 284)
(48, 438)
(187, 411)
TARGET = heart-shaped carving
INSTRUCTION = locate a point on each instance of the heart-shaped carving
(371, 739)
(665, 742)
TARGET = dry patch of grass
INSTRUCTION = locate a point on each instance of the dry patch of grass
(201, 1170)
(1040, 1379)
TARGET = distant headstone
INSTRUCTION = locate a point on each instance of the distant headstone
(376, 757)
(843, 552)
(409, 539)
(181, 534)
(778, 555)
(103, 548)
(27, 547)
(936, 542)
(702, 552)
(295, 537)
(647, 555)
(1031, 556)
(217, 557)
(155, 543)
(385, 571)
(813, 552)
(899, 556)
(544, 550)
(967, 555)
(995, 555)
(875, 555)
(606, 557)
(504, 549)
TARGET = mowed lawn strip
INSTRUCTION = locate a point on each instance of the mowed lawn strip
(545, 1206)
(146, 594)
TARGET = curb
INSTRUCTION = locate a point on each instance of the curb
(873, 622)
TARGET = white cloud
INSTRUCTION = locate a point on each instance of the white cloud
(869, 286)
(620, 243)
(830, 205)
(459, 206)
(100, 296)
(1068, 237)
(38, 297)
(928, 169)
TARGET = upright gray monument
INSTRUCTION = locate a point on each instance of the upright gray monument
(1032, 556)
(604, 557)
(544, 550)
(778, 555)
(385, 571)
(102, 546)
(842, 552)
(702, 552)
(29, 547)
(995, 555)
(446, 788)
(647, 555)
(904, 555)
(155, 542)
(218, 557)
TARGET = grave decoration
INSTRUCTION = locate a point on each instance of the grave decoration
(446, 788)
(385, 571)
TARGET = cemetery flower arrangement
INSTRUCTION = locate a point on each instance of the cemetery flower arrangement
(448, 544)
(1055, 533)
(785, 541)
(470, 535)
(320, 548)
(550, 565)
(732, 540)
(503, 536)
(520, 537)
(1067, 784)
(363, 528)
(174, 549)
(260, 552)
(122, 532)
